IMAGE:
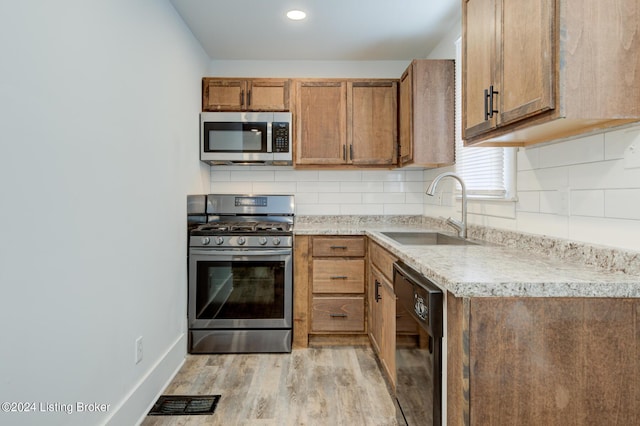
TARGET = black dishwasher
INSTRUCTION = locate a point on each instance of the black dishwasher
(418, 353)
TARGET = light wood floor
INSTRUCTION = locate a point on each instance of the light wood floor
(314, 386)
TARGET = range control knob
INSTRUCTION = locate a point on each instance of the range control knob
(219, 240)
(241, 241)
(262, 241)
(205, 241)
(276, 241)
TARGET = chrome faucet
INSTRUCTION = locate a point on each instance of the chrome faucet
(460, 226)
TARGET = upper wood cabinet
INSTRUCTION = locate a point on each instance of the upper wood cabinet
(320, 122)
(346, 122)
(427, 113)
(231, 94)
(372, 122)
(536, 71)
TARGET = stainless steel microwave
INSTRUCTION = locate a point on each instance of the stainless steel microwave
(246, 138)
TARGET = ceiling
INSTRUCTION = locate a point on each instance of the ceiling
(334, 30)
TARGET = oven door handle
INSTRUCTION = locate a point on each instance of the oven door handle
(234, 252)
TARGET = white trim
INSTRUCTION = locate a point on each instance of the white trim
(136, 404)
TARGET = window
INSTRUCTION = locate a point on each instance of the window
(488, 173)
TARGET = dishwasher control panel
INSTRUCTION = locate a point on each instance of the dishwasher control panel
(420, 297)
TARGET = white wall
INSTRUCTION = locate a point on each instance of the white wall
(311, 69)
(98, 126)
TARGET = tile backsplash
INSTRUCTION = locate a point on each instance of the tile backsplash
(329, 192)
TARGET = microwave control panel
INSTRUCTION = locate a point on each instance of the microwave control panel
(280, 137)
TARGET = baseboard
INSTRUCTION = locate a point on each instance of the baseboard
(136, 404)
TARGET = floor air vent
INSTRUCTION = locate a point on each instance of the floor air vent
(184, 405)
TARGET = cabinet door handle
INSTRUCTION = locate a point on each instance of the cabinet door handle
(339, 277)
(338, 247)
(491, 93)
(249, 98)
(486, 104)
(344, 152)
(351, 151)
(377, 292)
(242, 97)
(338, 315)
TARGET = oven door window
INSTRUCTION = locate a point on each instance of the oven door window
(240, 290)
(235, 137)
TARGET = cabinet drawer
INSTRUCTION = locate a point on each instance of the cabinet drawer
(338, 275)
(382, 259)
(337, 314)
(338, 247)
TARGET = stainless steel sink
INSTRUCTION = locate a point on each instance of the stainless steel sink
(427, 239)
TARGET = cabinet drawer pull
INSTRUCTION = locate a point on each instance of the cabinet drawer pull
(338, 247)
(339, 277)
(338, 315)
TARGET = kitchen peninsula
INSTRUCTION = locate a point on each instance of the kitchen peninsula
(537, 331)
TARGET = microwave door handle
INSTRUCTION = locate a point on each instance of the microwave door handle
(269, 135)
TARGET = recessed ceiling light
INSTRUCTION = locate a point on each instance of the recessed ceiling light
(296, 15)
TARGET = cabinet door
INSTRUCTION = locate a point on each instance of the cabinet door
(527, 34)
(268, 95)
(372, 134)
(382, 321)
(405, 121)
(321, 111)
(388, 330)
(478, 65)
(223, 95)
(374, 310)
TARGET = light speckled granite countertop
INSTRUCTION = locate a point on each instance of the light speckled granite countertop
(489, 270)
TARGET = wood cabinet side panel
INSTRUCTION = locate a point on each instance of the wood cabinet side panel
(301, 275)
(457, 361)
(600, 58)
(434, 112)
(405, 117)
(553, 361)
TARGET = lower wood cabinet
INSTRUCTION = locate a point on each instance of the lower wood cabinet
(335, 279)
(543, 361)
(382, 321)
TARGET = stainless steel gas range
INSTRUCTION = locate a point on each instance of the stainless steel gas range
(241, 274)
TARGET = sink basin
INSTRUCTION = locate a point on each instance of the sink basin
(427, 239)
